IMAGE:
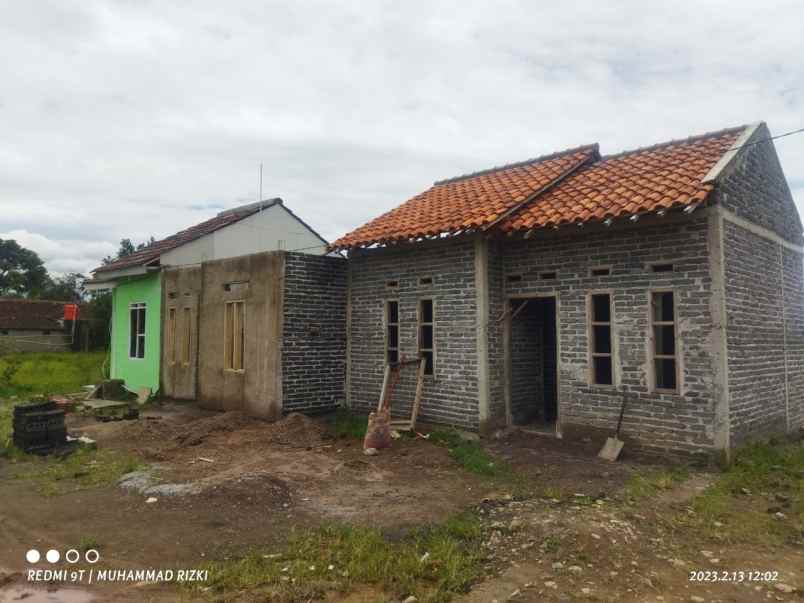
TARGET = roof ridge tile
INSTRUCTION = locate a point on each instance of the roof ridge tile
(541, 158)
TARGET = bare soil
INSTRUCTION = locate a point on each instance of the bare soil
(256, 481)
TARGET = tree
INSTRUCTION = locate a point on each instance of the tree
(127, 248)
(22, 273)
(69, 287)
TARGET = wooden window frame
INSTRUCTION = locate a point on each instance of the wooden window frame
(652, 343)
(140, 338)
(230, 352)
(590, 324)
(419, 324)
(387, 323)
(187, 335)
(171, 336)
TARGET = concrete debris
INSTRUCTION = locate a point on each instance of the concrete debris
(150, 500)
(370, 451)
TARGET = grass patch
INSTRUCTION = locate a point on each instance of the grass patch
(471, 455)
(763, 477)
(433, 563)
(44, 373)
(41, 374)
(641, 486)
(81, 470)
(348, 424)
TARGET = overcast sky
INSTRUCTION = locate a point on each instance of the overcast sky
(133, 118)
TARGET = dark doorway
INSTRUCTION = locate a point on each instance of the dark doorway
(534, 361)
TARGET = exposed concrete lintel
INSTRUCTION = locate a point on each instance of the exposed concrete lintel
(729, 155)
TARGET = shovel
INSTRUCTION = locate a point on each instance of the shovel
(613, 446)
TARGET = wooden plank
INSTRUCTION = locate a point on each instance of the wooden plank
(384, 386)
(418, 399)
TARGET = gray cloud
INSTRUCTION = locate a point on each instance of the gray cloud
(125, 119)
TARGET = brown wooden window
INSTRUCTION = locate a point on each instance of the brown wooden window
(663, 323)
(171, 336)
(392, 332)
(187, 336)
(600, 332)
(234, 335)
(426, 335)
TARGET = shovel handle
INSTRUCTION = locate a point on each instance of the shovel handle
(622, 412)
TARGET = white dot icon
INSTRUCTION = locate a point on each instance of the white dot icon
(32, 556)
(53, 556)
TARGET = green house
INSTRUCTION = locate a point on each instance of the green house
(136, 279)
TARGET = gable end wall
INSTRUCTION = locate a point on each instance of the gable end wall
(764, 295)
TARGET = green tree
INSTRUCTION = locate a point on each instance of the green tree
(127, 248)
(22, 273)
(68, 287)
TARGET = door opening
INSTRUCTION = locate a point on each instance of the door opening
(534, 362)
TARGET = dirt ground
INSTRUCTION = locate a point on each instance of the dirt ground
(226, 483)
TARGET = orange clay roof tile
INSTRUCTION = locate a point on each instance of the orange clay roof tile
(657, 177)
(471, 201)
(568, 187)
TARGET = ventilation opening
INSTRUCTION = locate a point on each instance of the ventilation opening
(514, 278)
(392, 284)
(426, 280)
(600, 271)
(662, 268)
(172, 295)
(548, 276)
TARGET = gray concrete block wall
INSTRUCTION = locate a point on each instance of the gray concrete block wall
(450, 396)
(753, 186)
(527, 378)
(755, 335)
(662, 423)
(764, 296)
(793, 282)
(314, 332)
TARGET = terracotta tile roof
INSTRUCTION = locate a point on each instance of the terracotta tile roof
(31, 314)
(662, 176)
(468, 202)
(569, 187)
(152, 253)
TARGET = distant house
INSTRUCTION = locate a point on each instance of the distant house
(32, 326)
(136, 279)
(544, 293)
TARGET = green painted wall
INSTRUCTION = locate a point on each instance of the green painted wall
(137, 372)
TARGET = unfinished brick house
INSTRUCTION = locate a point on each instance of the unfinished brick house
(545, 292)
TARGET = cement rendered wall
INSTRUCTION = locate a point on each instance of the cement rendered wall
(450, 396)
(137, 372)
(256, 280)
(181, 293)
(295, 332)
(33, 340)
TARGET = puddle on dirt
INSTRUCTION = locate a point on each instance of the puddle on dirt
(13, 593)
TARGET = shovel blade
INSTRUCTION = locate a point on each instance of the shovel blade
(611, 449)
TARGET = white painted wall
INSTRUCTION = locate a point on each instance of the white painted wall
(271, 229)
